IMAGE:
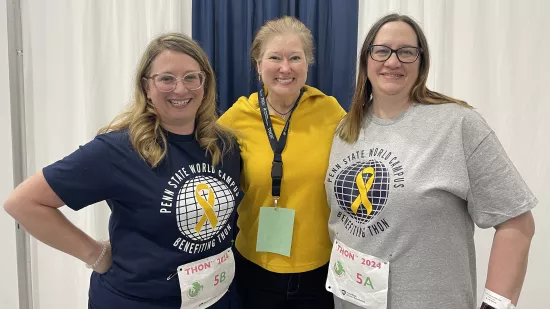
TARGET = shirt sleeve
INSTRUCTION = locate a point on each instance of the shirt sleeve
(497, 191)
(226, 119)
(84, 177)
(334, 111)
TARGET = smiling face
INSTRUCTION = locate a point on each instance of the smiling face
(392, 77)
(283, 65)
(177, 109)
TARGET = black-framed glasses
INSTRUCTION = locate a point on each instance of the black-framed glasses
(167, 82)
(407, 54)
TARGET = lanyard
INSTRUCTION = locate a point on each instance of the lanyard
(277, 145)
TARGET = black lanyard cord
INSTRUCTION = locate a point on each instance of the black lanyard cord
(277, 145)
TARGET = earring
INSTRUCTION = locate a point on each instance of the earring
(260, 76)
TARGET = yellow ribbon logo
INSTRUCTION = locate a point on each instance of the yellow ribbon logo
(207, 205)
(364, 188)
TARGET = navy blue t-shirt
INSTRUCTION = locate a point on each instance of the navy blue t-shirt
(155, 224)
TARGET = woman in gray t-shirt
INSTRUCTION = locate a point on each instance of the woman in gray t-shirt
(411, 171)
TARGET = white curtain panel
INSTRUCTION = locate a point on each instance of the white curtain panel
(495, 55)
(80, 58)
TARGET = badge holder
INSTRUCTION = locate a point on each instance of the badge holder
(276, 224)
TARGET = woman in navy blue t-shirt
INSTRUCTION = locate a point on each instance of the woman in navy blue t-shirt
(169, 174)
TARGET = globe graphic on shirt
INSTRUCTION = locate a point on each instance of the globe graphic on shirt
(204, 205)
(353, 192)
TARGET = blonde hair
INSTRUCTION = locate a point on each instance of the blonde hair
(350, 126)
(142, 121)
(283, 25)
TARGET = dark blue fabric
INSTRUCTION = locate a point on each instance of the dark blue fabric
(154, 213)
(225, 30)
(260, 288)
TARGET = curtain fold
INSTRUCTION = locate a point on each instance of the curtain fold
(80, 58)
(226, 29)
(493, 54)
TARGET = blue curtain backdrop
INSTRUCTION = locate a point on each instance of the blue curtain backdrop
(225, 30)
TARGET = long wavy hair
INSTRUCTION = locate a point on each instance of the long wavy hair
(350, 127)
(142, 121)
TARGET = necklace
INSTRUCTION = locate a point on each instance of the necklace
(283, 115)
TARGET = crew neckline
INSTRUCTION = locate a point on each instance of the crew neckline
(178, 137)
(388, 122)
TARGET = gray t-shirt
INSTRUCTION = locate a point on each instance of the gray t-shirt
(438, 170)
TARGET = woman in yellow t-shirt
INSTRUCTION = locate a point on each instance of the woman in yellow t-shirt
(285, 134)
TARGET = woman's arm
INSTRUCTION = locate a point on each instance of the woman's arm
(509, 255)
(35, 206)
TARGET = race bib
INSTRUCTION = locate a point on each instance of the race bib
(358, 278)
(205, 281)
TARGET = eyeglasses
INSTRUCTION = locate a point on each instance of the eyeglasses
(166, 82)
(382, 53)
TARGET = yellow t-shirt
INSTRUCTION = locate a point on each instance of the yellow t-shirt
(305, 161)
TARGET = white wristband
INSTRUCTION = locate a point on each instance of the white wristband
(496, 301)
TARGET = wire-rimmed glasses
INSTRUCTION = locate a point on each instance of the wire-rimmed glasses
(166, 82)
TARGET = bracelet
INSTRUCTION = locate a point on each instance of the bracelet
(103, 251)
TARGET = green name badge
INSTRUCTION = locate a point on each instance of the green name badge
(275, 230)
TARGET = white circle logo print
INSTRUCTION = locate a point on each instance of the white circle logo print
(204, 205)
(362, 189)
